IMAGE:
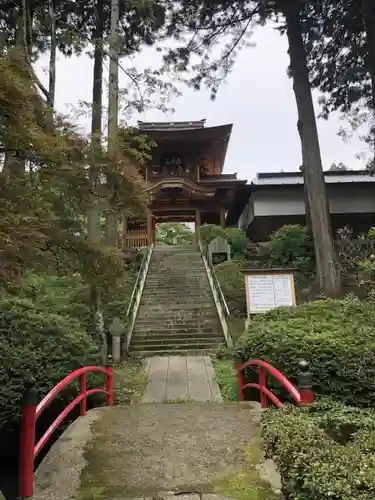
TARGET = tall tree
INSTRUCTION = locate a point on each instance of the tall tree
(211, 23)
(328, 274)
(113, 104)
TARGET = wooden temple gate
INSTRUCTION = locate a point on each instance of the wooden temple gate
(185, 179)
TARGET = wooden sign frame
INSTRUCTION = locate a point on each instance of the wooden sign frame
(267, 272)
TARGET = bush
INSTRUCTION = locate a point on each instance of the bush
(236, 238)
(337, 337)
(323, 451)
(232, 283)
(37, 343)
(62, 295)
(291, 246)
(209, 232)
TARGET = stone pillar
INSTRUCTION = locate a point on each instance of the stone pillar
(222, 216)
(197, 224)
(149, 227)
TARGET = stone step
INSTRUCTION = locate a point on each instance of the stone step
(167, 316)
(201, 322)
(175, 352)
(165, 344)
(189, 307)
(149, 327)
(184, 317)
(174, 346)
(168, 277)
(178, 284)
(166, 300)
(195, 335)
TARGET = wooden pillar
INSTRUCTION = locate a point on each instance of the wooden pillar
(149, 228)
(124, 231)
(222, 217)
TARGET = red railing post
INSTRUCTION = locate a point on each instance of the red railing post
(83, 390)
(109, 383)
(304, 376)
(241, 382)
(27, 442)
(262, 385)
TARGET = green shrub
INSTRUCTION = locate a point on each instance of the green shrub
(235, 237)
(63, 295)
(209, 232)
(336, 337)
(37, 343)
(237, 240)
(323, 451)
(291, 246)
(232, 283)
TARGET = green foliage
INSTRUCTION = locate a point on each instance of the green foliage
(237, 240)
(171, 233)
(291, 246)
(61, 295)
(226, 377)
(323, 451)
(37, 343)
(232, 283)
(336, 337)
(235, 237)
(208, 232)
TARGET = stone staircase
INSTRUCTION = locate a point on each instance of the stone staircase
(177, 313)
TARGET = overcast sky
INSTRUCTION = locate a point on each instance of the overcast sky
(257, 98)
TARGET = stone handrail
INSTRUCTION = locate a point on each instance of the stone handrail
(220, 302)
(137, 294)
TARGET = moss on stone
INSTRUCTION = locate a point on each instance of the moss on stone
(246, 483)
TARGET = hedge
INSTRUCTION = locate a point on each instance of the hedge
(323, 451)
(35, 343)
(336, 337)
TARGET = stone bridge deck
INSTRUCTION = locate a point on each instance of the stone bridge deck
(156, 450)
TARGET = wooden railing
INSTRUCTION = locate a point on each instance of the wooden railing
(136, 241)
(301, 396)
(31, 411)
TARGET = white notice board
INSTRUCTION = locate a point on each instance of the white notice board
(268, 291)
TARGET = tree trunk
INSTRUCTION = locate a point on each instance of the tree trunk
(302, 168)
(93, 214)
(52, 57)
(327, 272)
(112, 220)
(368, 12)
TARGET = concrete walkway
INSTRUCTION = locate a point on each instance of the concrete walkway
(181, 378)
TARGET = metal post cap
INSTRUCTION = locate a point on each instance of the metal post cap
(30, 396)
(304, 366)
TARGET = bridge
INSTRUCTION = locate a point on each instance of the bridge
(162, 447)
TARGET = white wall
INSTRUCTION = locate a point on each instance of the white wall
(341, 199)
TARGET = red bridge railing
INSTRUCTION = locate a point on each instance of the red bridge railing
(31, 411)
(302, 395)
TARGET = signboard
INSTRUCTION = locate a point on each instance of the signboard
(269, 290)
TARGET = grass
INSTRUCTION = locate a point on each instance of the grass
(236, 327)
(130, 381)
(226, 377)
(246, 484)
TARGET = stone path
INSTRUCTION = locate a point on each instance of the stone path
(180, 378)
(155, 451)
